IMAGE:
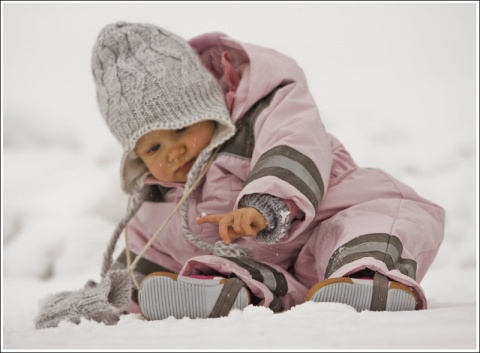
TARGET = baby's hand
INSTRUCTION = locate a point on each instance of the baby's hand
(243, 222)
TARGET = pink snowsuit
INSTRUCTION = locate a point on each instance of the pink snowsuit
(343, 218)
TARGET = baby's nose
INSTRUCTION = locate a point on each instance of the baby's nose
(176, 152)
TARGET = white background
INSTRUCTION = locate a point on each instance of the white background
(396, 82)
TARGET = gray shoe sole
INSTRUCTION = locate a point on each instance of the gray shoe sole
(163, 296)
(358, 293)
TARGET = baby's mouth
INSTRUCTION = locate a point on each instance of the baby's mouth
(185, 167)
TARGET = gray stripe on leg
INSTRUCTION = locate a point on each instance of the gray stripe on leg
(383, 247)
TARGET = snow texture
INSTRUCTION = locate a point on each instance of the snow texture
(397, 83)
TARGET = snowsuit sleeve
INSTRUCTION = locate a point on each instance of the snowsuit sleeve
(275, 211)
(292, 157)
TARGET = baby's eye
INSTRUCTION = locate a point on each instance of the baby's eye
(179, 131)
(154, 148)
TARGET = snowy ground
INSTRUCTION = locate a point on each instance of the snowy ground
(396, 82)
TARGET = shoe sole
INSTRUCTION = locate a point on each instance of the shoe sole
(358, 293)
(163, 295)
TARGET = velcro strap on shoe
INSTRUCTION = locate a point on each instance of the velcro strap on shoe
(379, 292)
(227, 297)
(274, 280)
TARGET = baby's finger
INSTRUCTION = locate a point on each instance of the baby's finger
(248, 227)
(213, 218)
(237, 223)
(232, 235)
(224, 227)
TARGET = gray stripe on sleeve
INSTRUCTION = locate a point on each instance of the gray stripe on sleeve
(293, 167)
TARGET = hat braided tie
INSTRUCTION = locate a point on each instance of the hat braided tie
(218, 248)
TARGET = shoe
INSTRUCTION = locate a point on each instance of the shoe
(164, 294)
(377, 294)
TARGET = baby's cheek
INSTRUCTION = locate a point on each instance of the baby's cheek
(159, 172)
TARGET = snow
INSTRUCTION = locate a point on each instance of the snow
(396, 82)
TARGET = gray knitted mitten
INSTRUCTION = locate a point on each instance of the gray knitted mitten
(102, 302)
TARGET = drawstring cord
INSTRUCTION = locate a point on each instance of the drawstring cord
(131, 265)
(136, 200)
(132, 210)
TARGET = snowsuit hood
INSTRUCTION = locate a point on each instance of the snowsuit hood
(246, 72)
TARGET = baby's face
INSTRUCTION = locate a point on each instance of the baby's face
(169, 154)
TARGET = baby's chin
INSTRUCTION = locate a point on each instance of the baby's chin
(172, 180)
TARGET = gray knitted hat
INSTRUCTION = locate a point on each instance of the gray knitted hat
(147, 79)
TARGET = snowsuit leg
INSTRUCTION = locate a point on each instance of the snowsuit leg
(272, 286)
(376, 222)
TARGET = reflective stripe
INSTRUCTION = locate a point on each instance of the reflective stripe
(299, 170)
(274, 280)
(275, 305)
(370, 247)
(384, 247)
(268, 277)
(293, 167)
(256, 275)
